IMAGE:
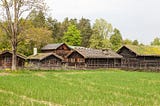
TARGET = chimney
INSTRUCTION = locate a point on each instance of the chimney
(34, 51)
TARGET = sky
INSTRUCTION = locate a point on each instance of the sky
(136, 19)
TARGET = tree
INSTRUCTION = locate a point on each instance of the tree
(86, 31)
(72, 36)
(101, 33)
(34, 37)
(103, 27)
(116, 39)
(127, 42)
(135, 42)
(4, 42)
(12, 11)
(39, 20)
(156, 41)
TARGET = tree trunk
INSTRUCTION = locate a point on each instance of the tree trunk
(14, 37)
(14, 58)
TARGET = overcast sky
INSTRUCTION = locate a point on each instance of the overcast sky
(136, 19)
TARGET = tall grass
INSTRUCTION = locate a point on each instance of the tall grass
(80, 88)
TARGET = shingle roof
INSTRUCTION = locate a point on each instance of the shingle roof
(52, 46)
(41, 56)
(18, 54)
(95, 53)
(144, 50)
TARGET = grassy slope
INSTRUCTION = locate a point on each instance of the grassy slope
(82, 88)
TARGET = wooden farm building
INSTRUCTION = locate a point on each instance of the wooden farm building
(60, 55)
(6, 60)
(45, 61)
(60, 49)
(140, 57)
(94, 58)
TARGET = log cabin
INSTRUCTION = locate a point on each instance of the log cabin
(6, 60)
(44, 61)
(140, 57)
(60, 49)
(94, 58)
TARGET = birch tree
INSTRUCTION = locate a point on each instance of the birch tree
(11, 13)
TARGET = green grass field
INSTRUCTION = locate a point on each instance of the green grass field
(79, 88)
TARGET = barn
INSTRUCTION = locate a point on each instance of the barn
(6, 60)
(44, 61)
(94, 58)
(140, 57)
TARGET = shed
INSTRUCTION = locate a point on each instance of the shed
(6, 59)
(45, 60)
(140, 57)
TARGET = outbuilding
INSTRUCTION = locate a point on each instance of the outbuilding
(94, 58)
(140, 57)
(6, 60)
(44, 61)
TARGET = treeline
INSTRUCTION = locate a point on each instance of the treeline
(39, 30)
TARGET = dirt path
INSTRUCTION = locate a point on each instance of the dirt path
(30, 99)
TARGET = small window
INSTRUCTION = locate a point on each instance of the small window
(7, 59)
(72, 60)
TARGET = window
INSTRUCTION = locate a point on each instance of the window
(7, 59)
(72, 60)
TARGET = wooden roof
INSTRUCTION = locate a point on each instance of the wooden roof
(18, 54)
(41, 56)
(96, 53)
(53, 46)
(143, 50)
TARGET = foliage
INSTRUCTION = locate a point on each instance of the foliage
(83, 88)
(98, 42)
(135, 42)
(103, 27)
(72, 36)
(127, 42)
(101, 34)
(116, 39)
(4, 42)
(86, 31)
(38, 20)
(35, 37)
(145, 50)
(13, 11)
(156, 41)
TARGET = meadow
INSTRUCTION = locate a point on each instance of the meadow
(79, 88)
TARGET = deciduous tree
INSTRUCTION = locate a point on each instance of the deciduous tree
(135, 42)
(156, 41)
(116, 39)
(101, 33)
(11, 13)
(72, 36)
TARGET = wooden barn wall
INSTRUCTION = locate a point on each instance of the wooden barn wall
(50, 62)
(103, 63)
(63, 50)
(131, 61)
(126, 53)
(75, 59)
(6, 61)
